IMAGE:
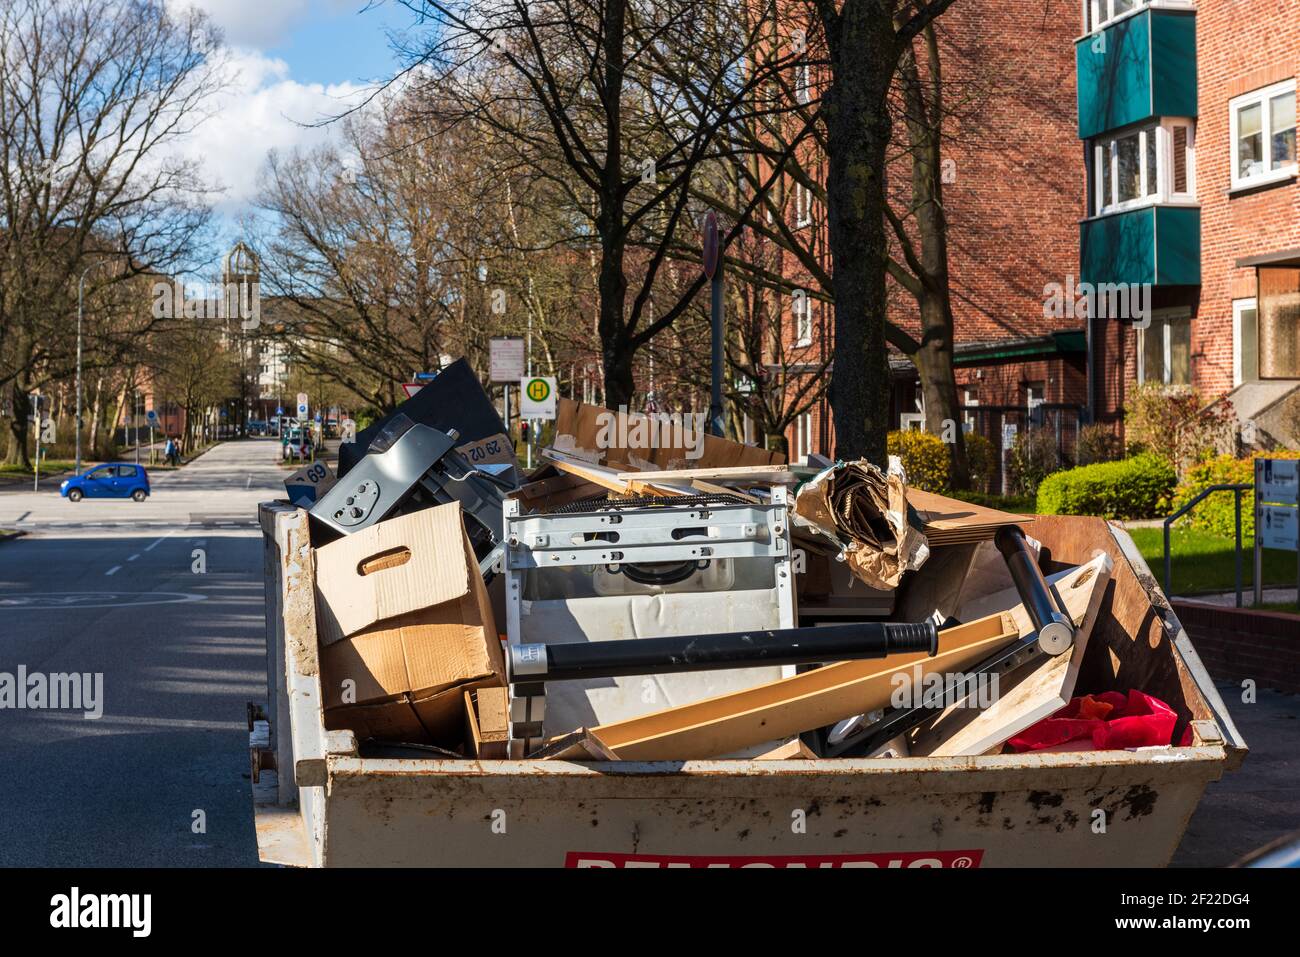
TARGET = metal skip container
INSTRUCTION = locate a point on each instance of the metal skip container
(318, 803)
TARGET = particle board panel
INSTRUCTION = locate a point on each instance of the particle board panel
(784, 708)
(1030, 693)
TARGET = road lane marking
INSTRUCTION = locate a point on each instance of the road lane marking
(160, 541)
(134, 557)
(24, 515)
(114, 570)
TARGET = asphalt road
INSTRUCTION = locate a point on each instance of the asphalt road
(110, 587)
(164, 600)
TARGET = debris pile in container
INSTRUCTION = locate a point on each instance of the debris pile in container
(648, 594)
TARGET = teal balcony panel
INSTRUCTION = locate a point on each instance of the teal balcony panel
(1159, 245)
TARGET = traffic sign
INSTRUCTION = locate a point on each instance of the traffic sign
(302, 405)
(410, 388)
(537, 396)
(152, 416)
(279, 410)
(425, 376)
(1277, 527)
(710, 254)
(1278, 480)
(506, 359)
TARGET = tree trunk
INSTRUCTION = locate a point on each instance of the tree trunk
(16, 454)
(858, 131)
(96, 411)
(933, 296)
(939, 386)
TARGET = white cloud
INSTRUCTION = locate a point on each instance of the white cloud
(251, 23)
(260, 108)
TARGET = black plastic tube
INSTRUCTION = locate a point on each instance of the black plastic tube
(1055, 631)
(742, 649)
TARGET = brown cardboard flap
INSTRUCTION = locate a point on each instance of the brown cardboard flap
(398, 566)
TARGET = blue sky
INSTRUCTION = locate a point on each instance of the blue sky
(291, 63)
(341, 40)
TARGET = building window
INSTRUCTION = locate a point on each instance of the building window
(970, 399)
(803, 438)
(1151, 164)
(1100, 13)
(803, 84)
(801, 309)
(1245, 333)
(802, 206)
(1263, 135)
(1279, 322)
(1165, 349)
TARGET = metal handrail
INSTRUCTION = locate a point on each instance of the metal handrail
(1236, 490)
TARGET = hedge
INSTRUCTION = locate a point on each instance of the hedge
(1217, 513)
(1139, 487)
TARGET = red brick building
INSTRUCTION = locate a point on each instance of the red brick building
(1011, 191)
(1188, 116)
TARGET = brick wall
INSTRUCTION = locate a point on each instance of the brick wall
(1242, 45)
(1016, 199)
(1236, 644)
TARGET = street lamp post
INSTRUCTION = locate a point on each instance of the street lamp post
(81, 307)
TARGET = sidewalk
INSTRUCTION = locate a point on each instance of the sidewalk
(1272, 596)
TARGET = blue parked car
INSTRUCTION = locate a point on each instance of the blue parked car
(114, 480)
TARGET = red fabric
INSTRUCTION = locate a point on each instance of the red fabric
(1112, 720)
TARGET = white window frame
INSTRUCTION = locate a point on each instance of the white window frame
(969, 398)
(1164, 193)
(803, 319)
(1163, 317)
(1240, 306)
(802, 206)
(1261, 97)
(1099, 14)
(802, 438)
(803, 84)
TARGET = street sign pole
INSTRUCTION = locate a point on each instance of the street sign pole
(36, 481)
(1259, 553)
(713, 269)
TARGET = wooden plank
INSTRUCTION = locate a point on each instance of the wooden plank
(753, 474)
(793, 750)
(949, 521)
(784, 708)
(1030, 693)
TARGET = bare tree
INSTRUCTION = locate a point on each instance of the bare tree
(617, 104)
(92, 94)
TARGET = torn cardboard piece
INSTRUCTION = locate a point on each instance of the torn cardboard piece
(633, 441)
(406, 628)
(865, 512)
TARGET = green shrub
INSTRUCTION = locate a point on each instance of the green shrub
(925, 459)
(1138, 487)
(1097, 443)
(1031, 458)
(982, 461)
(1217, 513)
(1169, 421)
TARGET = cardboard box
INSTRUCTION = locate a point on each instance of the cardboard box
(406, 628)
